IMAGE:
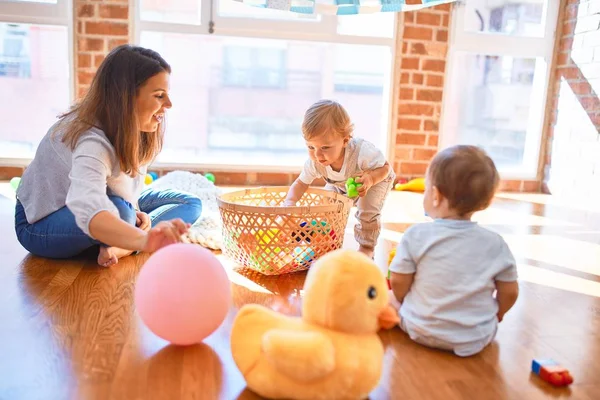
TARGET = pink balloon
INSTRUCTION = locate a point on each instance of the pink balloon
(182, 293)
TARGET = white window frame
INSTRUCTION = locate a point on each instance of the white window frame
(324, 31)
(542, 47)
(58, 14)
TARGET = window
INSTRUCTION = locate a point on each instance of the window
(34, 73)
(239, 94)
(497, 80)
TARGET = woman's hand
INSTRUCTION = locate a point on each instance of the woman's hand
(367, 183)
(164, 234)
(142, 221)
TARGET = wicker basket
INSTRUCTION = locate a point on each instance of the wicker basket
(260, 234)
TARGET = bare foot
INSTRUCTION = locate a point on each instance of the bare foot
(367, 251)
(109, 256)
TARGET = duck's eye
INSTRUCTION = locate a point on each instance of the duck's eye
(372, 292)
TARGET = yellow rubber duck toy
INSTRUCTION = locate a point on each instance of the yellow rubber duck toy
(332, 351)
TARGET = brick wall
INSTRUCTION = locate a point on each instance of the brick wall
(99, 27)
(573, 143)
(424, 42)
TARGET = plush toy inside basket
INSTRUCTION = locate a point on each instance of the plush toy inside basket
(261, 234)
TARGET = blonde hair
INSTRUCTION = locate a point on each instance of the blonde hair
(466, 176)
(326, 116)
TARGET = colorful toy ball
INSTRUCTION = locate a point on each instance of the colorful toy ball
(154, 175)
(210, 177)
(148, 179)
(182, 293)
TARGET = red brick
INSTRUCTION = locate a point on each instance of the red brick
(272, 178)
(413, 168)
(531, 186)
(112, 43)
(429, 95)
(404, 48)
(405, 77)
(403, 153)
(7, 173)
(411, 138)
(410, 63)
(441, 36)
(563, 59)
(428, 19)
(107, 28)
(418, 48)
(409, 124)
(407, 94)
(435, 80)
(98, 58)
(510, 186)
(86, 11)
(419, 33)
(433, 140)
(570, 12)
(84, 60)
(569, 73)
(568, 28)
(409, 17)
(443, 7)
(431, 126)
(407, 109)
(90, 44)
(79, 27)
(81, 91)
(434, 65)
(85, 78)
(566, 44)
(423, 154)
(231, 178)
(446, 20)
(114, 11)
(417, 79)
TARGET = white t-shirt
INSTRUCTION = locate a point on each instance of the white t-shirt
(369, 158)
(455, 265)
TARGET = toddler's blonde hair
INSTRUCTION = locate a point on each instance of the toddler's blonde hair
(326, 116)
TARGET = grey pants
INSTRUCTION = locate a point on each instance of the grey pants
(368, 214)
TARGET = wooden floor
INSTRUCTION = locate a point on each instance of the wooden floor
(68, 329)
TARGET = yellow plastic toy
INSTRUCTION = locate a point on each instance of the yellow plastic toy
(332, 351)
(415, 185)
(148, 179)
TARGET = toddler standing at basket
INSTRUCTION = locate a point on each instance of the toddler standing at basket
(336, 156)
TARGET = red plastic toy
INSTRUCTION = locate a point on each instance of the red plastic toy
(552, 372)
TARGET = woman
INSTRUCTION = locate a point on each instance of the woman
(84, 186)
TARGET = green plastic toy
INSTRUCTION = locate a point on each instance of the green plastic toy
(210, 177)
(352, 187)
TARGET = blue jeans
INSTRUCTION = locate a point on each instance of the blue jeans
(58, 236)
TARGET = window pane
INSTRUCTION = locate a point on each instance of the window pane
(34, 82)
(241, 101)
(509, 17)
(497, 106)
(172, 11)
(379, 24)
(236, 9)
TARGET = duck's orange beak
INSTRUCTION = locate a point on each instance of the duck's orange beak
(388, 318)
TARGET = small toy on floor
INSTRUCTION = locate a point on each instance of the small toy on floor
(552, 372)
(352, 187)
(415, 185)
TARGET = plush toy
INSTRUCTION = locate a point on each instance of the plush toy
(332, 351)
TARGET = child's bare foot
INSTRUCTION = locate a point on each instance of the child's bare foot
(367, 251)
(109, 256)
